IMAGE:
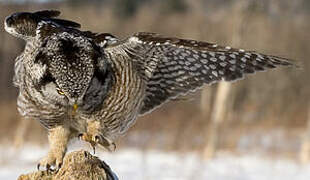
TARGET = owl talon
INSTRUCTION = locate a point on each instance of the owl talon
(52, 162)
(59, 166)
(85, 137)
(97, 139)
(94, 149)
(38, 166)
(48, 168)
(80, 136)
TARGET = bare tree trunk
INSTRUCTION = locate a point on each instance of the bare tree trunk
(217, 116)
(304, 155)
(205, 102)
(220, 110)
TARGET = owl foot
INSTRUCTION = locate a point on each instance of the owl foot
(87, 138)
(58, 138)
(98, 139)
(52, 159)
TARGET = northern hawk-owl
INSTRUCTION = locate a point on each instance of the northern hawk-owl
(94, 85)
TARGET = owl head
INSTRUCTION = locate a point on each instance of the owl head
(71, 70)
(26, 25)
(67, 66)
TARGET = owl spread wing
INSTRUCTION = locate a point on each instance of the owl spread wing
(48, 24)
(47, 13)
(49, 16)
(47, 28)
(173, 66)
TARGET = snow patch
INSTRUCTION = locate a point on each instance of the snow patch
(140, 165)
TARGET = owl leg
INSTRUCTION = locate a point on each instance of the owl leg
(94, 136)
(58, 138)
(86, 137)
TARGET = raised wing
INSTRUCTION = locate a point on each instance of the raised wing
(48, 26)
(47, 13)
(173, 66)
(48, 16)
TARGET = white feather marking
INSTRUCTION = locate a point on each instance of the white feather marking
(135, 39)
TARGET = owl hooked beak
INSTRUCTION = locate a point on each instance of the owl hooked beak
(75, 106)
(72, 112)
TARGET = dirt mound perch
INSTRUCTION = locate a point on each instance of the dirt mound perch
(78, 165)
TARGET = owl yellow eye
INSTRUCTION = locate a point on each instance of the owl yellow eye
(60, 92)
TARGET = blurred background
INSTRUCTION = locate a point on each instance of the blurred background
(258, 126)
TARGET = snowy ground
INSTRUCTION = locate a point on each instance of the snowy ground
(133, 164)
